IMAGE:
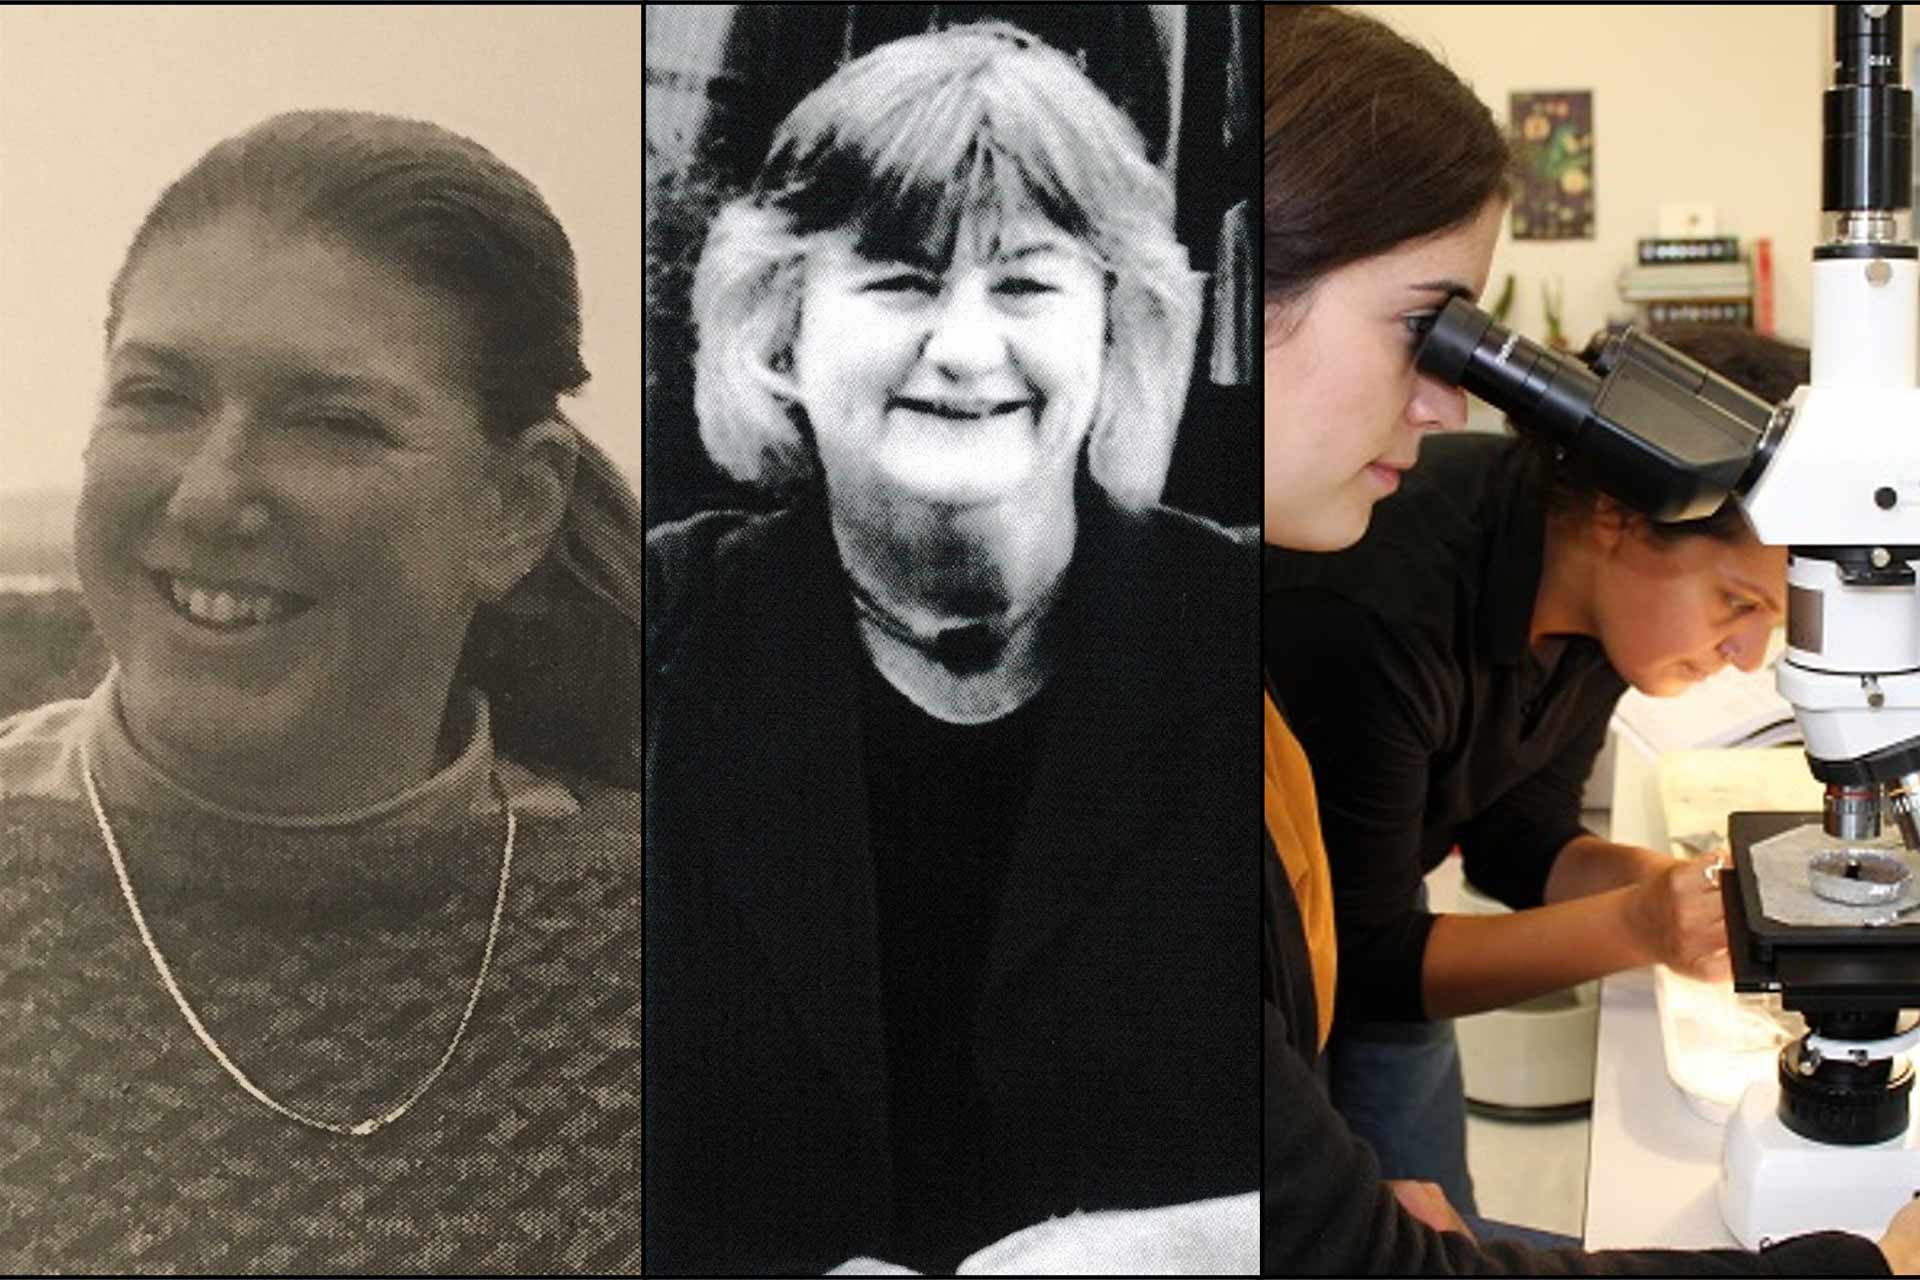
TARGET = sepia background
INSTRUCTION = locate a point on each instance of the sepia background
(101, 107)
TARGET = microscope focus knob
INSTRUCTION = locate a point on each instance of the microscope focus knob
(1842, 1103)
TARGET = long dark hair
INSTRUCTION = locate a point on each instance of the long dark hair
(1369, 143)
(560, 657)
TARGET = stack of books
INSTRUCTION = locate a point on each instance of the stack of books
(1691, 280)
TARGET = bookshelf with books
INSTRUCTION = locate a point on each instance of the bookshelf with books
(1700, 280)
(1664, 251)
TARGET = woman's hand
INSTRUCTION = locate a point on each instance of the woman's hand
(1901, 1244)
(1427, 1202)
(1679, 920)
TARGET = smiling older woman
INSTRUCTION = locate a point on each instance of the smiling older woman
(949, 867)
(318, 915)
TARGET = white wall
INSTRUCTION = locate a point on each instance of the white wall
(100, 108)
(1715, 103)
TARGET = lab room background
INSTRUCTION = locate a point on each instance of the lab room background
(1708, 114)
(1700, 123)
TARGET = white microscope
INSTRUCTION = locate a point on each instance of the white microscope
(1834, 475)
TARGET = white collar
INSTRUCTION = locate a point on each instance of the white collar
(40, 756)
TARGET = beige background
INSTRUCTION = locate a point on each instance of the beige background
(1713, 103)
(101, 108)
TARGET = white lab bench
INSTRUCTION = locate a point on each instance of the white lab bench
(1654, 1161)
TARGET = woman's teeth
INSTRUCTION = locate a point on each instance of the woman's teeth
(227, 607)
(971, 411)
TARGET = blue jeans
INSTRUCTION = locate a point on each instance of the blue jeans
(1398, 1085)
(1486, 1231)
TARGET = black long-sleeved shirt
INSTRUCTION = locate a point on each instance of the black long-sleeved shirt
(1111, 1039)
(946, 803)
(1406, 672)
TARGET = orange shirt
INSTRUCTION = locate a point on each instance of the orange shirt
(1293, 820)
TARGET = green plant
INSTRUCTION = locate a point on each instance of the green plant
(1503, 305)
(1553, 296)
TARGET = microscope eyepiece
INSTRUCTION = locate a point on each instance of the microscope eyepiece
(1661, 433)
(1548, 391)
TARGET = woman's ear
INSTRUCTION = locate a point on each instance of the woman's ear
(1610, 524)
(531, 481)
(770, 330)
(1279, 320)
(776, 376)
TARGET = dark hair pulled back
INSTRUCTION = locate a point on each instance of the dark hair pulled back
(559, 656)
(1370, 142)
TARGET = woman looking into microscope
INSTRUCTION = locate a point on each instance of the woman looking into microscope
(1354, 251)
(1452, 677)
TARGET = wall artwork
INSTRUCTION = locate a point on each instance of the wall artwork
(1554, 130)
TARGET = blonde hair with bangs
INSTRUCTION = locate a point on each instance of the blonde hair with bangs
(901, 148)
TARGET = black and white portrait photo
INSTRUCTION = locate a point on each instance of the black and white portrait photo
(952, 857)
(320, 561)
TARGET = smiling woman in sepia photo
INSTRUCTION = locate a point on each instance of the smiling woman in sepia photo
(319, 913)
(950, 843)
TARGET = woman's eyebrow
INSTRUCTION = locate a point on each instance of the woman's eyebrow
(1451, 288)
(397, 398)
(325, 384)
(167, 357)
(896, 262)
(299, 382)
(1754, 589)
(1034, 248)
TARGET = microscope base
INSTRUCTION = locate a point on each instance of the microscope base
(1774, 1183)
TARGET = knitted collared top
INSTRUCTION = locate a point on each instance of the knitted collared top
(331, 958)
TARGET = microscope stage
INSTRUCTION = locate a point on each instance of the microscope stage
(1811, 966)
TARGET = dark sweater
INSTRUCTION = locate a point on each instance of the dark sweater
(1112, 1043)
(335, 982)
(1405, 669)
(945, 800)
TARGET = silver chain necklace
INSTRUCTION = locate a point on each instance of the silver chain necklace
(364, 1127)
